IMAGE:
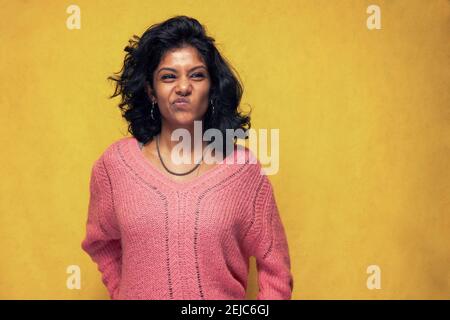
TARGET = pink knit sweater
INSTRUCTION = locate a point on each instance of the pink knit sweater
(156, 238)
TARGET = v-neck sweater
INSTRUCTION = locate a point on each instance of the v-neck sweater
(156, 238)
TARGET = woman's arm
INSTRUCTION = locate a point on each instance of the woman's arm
(102, 240)
(271, 249)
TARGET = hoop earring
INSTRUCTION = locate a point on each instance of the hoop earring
(151, 112)
(212, 105)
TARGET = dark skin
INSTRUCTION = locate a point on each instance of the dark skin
(188, 79)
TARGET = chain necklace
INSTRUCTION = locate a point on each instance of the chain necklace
(170, 171)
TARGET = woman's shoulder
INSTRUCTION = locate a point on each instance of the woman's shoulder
(245, 158)
(110, 154)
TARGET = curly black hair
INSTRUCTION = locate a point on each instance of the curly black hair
(142, 58)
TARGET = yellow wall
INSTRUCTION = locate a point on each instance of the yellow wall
(364, 125)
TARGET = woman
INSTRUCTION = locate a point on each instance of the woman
(158, 229)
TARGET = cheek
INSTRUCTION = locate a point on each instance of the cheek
(204, 92)
(164, 92)
(164, 96)
(203, 100)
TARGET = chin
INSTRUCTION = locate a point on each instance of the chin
(184, 120)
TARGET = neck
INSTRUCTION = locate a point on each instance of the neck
(166, 145)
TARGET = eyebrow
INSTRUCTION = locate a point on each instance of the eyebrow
(174, 70)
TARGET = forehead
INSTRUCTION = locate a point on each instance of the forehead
(181, 56)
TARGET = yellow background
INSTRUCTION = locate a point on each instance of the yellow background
(364, 125)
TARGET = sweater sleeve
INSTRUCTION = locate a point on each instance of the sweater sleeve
(275, 280)
(102, 239)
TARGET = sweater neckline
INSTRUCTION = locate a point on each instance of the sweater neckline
(149, 168)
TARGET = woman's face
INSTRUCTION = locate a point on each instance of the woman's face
(181, 73)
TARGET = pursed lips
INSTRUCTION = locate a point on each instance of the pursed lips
(181, 101)
(182, 104)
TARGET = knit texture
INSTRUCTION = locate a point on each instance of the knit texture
(156, 238)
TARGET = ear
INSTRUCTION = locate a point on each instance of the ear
(149, 91)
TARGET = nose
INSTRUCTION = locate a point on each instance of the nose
(183, 87)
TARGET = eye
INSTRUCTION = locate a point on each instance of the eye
(199, 74)
(166, 76)
(171, 76)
